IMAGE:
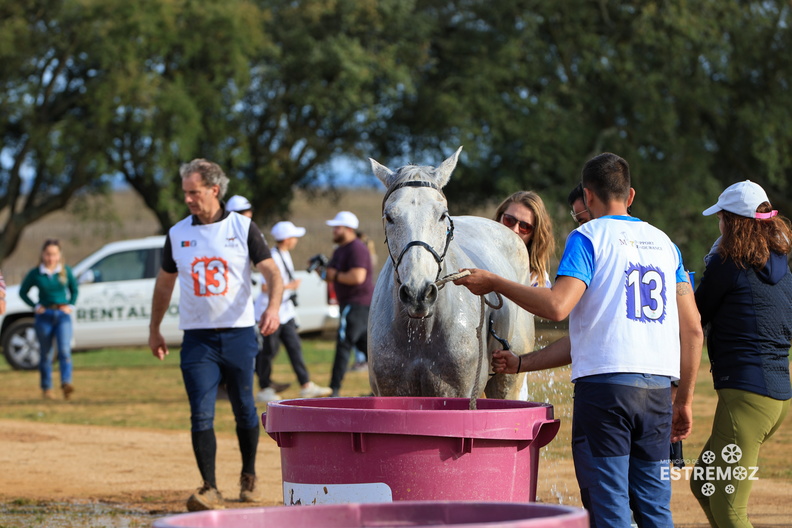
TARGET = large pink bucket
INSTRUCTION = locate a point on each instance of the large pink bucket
(397, 514)
(373, 450)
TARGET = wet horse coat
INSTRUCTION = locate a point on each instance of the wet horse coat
(423, 338)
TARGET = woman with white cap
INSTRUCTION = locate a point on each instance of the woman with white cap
(745, 296)
(286, 236)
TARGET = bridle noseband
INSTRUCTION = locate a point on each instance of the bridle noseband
(449, 232)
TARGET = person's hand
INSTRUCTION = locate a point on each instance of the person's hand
(67, 309)
(681, 422)
(294, 285)
(40, 309)
(269, 322)
(158, 346)
(505, 362)
(2, 306)
(479, 282)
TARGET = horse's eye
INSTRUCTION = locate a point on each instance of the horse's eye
(388, 218)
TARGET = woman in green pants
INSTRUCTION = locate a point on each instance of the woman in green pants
(746, 298)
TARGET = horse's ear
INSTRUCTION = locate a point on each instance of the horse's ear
(445, 169)
(382, 172)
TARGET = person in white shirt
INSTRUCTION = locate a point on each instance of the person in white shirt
(633, 329)
(286, 236)
(209, 253)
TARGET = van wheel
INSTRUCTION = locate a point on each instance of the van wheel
(20, 345)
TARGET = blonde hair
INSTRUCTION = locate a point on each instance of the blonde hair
(542, 243)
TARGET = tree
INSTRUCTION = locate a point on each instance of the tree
(50, 123)
(330, 77)
(685, 92)
(272, 92)
(183, 75)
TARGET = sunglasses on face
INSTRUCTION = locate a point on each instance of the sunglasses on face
(509, 221)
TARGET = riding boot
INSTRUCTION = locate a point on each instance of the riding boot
(248, 445)
(205, 449)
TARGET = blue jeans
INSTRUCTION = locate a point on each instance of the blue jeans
(208, 356)
(620, 443)
(54, 325)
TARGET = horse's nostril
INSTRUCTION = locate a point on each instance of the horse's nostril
(404, 295)
(430, 293)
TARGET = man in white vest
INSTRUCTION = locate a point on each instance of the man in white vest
(633, 329)
(209, 253)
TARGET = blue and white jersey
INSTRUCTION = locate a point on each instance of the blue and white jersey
(627, 320)
(213, 262)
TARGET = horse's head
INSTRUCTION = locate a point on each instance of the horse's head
(418, 229)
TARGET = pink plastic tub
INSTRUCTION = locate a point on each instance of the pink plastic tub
(374, 450)
(397, 514)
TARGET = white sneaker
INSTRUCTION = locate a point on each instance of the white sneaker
(267, 395)
(315, 391)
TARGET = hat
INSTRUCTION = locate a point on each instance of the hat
(742, 199)
(284, 230)
(238, 203)
(344, 218)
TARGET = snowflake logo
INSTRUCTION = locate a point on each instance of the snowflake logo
(708, 457)
(731, 453)
(707, 489)
(740, 473)
(730, 489)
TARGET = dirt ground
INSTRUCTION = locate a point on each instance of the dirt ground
(154, 471)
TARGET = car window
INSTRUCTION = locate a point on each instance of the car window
(128, 265)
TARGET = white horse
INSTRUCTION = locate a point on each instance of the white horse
(423, 338)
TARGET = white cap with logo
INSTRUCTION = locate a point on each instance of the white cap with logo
(742, 199)
(344, 218)
(238, 203)
(284, 230)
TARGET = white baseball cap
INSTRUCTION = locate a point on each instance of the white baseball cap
(238, 203)
(284, 230)
(742, 199)
(344, 218)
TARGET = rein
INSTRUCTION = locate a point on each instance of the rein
(452, 277)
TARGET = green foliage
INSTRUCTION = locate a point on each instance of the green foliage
(691, 94)
(686, 92)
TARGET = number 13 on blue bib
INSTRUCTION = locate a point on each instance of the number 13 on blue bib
(646, 293)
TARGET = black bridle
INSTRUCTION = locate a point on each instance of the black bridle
(449, 232)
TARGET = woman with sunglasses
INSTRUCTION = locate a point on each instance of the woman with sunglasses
(57, 293)
(524, 213)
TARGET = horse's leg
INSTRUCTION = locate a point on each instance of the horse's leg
(505, 386)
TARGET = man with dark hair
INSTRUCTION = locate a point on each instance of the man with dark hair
(579, 212)
(350, 271)
(209, 253)
(629, 337)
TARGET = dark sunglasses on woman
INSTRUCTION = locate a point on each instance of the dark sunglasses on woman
(509, 221)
